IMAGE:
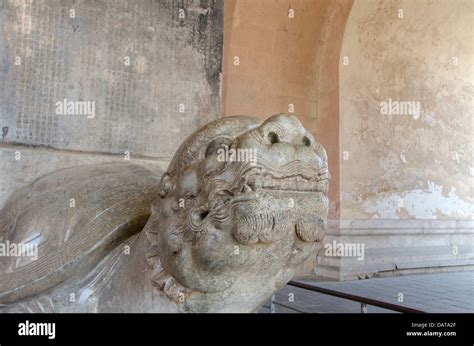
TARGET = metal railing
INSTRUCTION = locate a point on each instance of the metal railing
(364, 301)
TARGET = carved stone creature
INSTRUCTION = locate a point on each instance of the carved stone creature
(212, 235)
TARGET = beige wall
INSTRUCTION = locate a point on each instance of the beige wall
(407, 166)
(285, 61)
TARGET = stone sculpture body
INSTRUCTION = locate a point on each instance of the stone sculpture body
(208, 235)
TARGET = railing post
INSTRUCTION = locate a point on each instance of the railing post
(363, 308)
(272, 305)
(364, 300)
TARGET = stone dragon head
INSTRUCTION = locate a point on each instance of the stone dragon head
(241, 206)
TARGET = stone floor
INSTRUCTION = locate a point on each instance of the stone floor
(444, 292)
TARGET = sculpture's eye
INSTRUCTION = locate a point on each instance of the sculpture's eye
(199, 216)
(217, 144)
(203, 214)
(306, 141)
(273, 137)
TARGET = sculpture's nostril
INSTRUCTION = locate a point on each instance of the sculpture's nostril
(306, 141)
(273, 137)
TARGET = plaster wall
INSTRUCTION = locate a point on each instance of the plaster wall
(406, 144)
(407, 165)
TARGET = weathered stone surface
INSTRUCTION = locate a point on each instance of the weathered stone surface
(75, 216)
(134, 60)
(224, 233)
(152, 75)
(21, 165)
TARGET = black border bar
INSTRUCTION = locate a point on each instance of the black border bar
(221, 329)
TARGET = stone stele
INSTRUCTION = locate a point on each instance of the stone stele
(243, 203)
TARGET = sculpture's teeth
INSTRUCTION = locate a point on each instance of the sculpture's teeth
(310, 230)
(300, 184)
(276, 229)
(265, 227)
(294, 183)
(322, 186)
(267, 181)
(251, 183)
(246, 189)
